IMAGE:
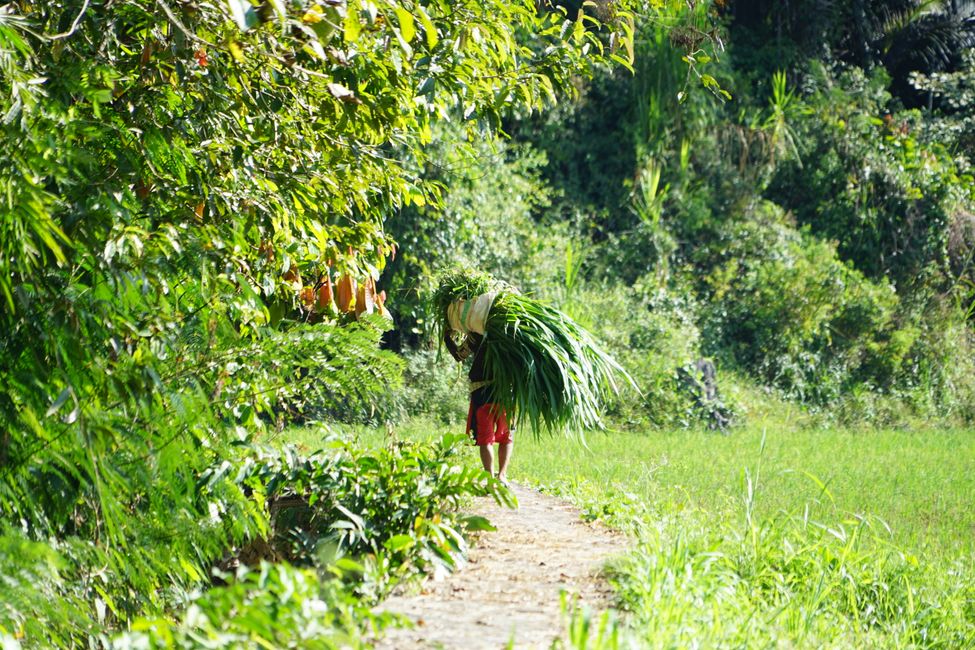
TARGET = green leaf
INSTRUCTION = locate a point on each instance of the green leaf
(406, 25)
(431, 31)
(478, 523)
(579, 29)
(191, 570)
(358, 522)
(349, 565)
(280, 10)
(59, 402)
(243, 14)
(626, 63)
(352, 27)
(399, 542)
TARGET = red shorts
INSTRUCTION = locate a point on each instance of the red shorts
(488, 424)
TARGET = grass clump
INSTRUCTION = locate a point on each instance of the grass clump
(703, 579)
(459, 283)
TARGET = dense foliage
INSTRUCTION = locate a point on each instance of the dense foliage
(361, 520)
(191, 191)
(811, 233)
(182, 183)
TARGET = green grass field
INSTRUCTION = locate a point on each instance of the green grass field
(920, 483)
(774, 536)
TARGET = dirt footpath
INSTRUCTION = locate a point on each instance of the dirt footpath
(509, 590)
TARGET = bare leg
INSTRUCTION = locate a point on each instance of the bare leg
(487, 458)
(504, 454)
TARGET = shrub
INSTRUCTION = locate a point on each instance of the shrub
(366, 519)
(650, 329)
(938, 377)
(868, 180)
(784, 306)
(274, 606)
(380, 514)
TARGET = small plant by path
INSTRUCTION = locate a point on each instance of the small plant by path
(509, 593)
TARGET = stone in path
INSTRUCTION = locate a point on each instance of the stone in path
(509, 590)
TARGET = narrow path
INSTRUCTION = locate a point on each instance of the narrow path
(509, 590)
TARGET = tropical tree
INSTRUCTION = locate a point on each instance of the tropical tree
(180, 180)
(903, 36)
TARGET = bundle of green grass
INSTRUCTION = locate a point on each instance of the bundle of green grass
(545, 369)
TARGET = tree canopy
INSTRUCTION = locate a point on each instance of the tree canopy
(176, 177)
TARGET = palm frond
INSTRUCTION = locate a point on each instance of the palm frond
(930, 43)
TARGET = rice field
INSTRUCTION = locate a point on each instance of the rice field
(774, 536)
(921, 484)
(782, 538)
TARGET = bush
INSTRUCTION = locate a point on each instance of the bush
(938, 378)
(650, 329)
(784, 306)
(868, 180)
(366, 519)
(433, 385)
(275, 606)
(379, 515)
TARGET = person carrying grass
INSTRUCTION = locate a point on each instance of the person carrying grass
(532, 363)
(487, 422)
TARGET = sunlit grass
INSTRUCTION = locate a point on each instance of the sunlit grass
(773, 535)
(920, 483)
(778, 535)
